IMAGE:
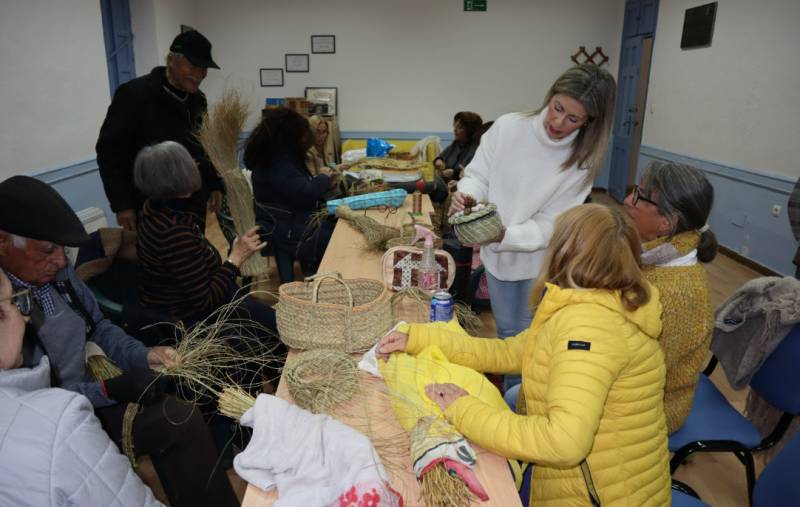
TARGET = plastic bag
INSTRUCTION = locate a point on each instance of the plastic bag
(378, 147)
(353, 156)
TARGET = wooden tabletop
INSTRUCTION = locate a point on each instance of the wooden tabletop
(347, 255)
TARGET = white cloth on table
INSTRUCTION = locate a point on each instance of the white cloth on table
(312, 459)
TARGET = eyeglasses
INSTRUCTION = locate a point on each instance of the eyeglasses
(22, 300)
(637, 196)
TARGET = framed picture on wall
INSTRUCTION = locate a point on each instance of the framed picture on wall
(271, 77)
(325, 97)
(296, 62)
(698, 26)
(323, 44)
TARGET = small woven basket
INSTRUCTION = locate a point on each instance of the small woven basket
(326, 311)
(320, 380)
(478, 226)
(407, 234)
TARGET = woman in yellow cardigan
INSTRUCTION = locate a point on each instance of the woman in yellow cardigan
(670, 207)
(592, 372)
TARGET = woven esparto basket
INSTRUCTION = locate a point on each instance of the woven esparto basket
(326, 311)
(407, 234)
(479, 226)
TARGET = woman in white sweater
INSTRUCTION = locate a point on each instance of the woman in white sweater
(534, 166)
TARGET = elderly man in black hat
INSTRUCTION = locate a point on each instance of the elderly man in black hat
(35, 225)
(164, 105)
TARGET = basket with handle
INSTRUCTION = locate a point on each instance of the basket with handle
(407, 235)
(327, 311)
(477, 227)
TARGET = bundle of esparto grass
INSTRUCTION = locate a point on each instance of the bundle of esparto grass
(219, 135)
(102, 368)
(375, 234)
(207, 361)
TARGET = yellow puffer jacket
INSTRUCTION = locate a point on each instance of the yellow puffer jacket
(593, 381)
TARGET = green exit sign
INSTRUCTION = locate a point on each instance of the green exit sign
(475, 5)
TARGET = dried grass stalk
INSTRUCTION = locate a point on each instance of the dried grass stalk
(375, 234)
(320, 380)
(468, 319)
(440, 489)
(234, 402)
(219, 135)
(131, 411)
(366, 187)
(103, 368)
(206, 362)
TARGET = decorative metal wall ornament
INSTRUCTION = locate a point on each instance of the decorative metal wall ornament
(596, 58)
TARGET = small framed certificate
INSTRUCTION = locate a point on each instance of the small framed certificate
(323, 43)
(271, 77)
(297, 62)
(325, 97)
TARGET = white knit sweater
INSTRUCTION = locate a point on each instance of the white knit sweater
(518, 168)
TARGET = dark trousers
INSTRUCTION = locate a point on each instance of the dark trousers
(284, 258)
(172, 432)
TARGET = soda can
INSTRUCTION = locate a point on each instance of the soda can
(441, 306)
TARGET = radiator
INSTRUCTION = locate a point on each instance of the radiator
(92, 219)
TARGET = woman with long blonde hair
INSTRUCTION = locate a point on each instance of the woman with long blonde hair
(592, 372)
(534, 166)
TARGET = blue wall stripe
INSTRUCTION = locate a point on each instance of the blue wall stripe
(774, 182)
(742, 214)
(741, 217)
(80, 185)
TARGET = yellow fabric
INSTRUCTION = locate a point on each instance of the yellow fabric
(688, 325)
(604, 405)
(401, 146)
(407, 376)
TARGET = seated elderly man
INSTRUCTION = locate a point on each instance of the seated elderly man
(35, 224)
(51, 444)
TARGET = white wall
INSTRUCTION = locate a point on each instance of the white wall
(407, 65)
(155, 23)
(53, 84)
(736, 102)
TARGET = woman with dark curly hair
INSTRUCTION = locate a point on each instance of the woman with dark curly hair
(452, 161)
(286, 193)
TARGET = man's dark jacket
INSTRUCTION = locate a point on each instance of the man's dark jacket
(144, 112)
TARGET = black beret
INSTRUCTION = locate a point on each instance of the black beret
(33, 209)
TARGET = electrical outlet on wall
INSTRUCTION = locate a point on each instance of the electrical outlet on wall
(776, 210)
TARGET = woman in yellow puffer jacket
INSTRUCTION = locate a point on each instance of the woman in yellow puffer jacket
(593, 372)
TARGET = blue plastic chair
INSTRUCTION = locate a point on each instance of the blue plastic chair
(713, 425)
(778, 484)
(684, 496)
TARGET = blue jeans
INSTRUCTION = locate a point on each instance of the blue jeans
(512, 311)
(510, 397)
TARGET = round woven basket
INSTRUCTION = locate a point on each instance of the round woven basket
(326, 311)
(479, 226)
(320, 380)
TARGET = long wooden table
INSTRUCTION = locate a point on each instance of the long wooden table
(346, 254)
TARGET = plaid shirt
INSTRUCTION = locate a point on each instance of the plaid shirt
(41, 295)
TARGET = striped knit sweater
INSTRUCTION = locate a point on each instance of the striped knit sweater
(687, 320)
(182, 272)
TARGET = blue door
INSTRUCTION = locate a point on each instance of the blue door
(119, 42)
(640, 22)
(627, 95)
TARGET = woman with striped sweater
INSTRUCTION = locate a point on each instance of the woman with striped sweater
(182, 273)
